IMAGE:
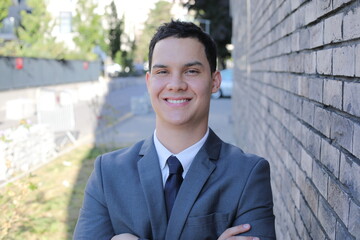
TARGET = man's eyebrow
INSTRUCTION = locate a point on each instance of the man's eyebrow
(159, 66)
(195, 63)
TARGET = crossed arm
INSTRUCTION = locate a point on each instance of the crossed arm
(228, 234)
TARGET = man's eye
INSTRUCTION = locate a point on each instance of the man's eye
(161, 72)
(192, 71)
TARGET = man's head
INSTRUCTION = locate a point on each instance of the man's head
(180, 29)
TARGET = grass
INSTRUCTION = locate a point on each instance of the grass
(45, 204)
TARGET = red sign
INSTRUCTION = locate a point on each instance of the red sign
(85, 65)
(19, 63)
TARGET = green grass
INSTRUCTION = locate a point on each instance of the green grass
(45, 204)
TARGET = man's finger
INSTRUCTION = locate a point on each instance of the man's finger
(230, 232)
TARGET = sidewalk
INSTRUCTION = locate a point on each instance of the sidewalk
(134, 128)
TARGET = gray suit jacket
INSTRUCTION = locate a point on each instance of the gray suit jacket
(224, 187)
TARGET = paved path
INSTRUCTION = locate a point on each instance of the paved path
(133, 128)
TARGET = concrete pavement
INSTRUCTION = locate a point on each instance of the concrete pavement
(135, 127)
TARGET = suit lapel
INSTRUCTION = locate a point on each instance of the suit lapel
(199, 172)
(151, 181)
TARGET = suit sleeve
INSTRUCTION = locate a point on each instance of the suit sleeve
(256, 204)
(94, 220)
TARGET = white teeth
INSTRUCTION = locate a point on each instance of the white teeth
(177, 101)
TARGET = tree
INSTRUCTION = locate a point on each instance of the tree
(115, 31)
(4, 7)
(217, 11)
(160, 14)
(34, 35)
(88, 27)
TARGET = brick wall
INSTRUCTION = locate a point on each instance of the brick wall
(297, 103)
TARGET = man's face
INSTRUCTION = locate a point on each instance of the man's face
(180, 82)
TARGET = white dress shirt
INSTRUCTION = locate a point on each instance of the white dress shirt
(185, 157)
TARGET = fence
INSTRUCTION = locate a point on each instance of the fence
(18, 73)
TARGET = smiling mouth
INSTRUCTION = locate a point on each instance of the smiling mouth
(177, 101)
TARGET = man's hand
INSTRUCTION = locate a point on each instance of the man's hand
(230, 233)
(125, 236)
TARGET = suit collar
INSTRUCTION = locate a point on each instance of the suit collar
(151, 182)
(199, 172)
(150, 177)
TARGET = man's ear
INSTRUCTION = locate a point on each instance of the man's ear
(147, 79)
(216, 81)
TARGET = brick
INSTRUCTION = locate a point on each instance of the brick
(352, 98)
(342, 233)
(322, 121)
(342, 130)
(357, 60)
(316, 89)
(310, 12)
(295, 194)
(303, 86)
(333, 95)
(339, 200)
(323, 7)
(310, 63)
(326, 218)
(338, 3)
(295, 42)
(356, 141)
(330, 157)
(312, 144)
(324, 61)
(311, 195)
(316, 35)
(320, 179)
(300, 227)
(306, 162)
(351, 24)
(316, 231)
(305, 213)
(308, 112)
(349, 176)
(354, 219)
(304, 39)
(332, 29)
(344, 61)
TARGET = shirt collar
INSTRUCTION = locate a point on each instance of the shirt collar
(185, 157)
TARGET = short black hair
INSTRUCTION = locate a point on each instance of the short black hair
(180, 29)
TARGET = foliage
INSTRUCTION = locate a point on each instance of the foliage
(116, 29)
(45, 204)
(88, 28)
(34, 35)
(4, 6)
(221, 24)
(157, 16)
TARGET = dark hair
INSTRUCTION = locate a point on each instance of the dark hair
(179, 29)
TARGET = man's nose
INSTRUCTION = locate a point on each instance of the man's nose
(176, 83)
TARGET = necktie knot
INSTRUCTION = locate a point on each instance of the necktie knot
(175, 166)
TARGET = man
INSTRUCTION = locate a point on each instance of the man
(183, 182)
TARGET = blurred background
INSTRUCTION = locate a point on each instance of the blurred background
(72, 87)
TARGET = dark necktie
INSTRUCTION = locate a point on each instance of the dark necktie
(173, 182)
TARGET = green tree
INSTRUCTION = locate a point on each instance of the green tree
(34, 35)
(160, 14)
(116, 27)
(88, 28)
(220, 23)
(4, 7)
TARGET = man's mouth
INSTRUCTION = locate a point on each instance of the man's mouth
(177, 101)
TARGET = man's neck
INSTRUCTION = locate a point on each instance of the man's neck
(177, 139)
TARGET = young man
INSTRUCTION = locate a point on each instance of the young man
(183, 182)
